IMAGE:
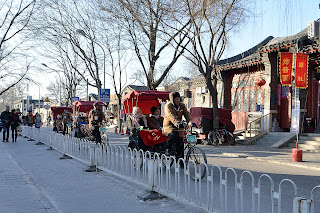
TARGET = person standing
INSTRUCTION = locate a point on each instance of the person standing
(6, 120)
(30, 119)
(96, 116)
(66, 119)
(37, 120)
(48, 120)
(14, 124)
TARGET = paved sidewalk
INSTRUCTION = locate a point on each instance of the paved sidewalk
(33, 179)
(311, 160)
(17, 190)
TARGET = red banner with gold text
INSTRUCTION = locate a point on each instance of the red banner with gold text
(301, 70)
(286, 68)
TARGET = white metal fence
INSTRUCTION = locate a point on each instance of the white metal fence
(218, 191)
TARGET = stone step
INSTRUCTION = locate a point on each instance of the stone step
(309, 142)
(305, 147)
(310, 138)
(311, 134)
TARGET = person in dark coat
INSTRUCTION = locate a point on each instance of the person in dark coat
(174, 110)
(6, 120)
(14, 124)
(155, 121)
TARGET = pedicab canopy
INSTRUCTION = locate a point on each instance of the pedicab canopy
(201, 116)
(56, 110)
(84, 106)
(144, 99)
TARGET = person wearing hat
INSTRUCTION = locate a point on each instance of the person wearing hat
(174, 110)
(96, 116)
(155, 121)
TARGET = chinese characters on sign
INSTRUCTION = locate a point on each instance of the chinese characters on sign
(285, 68)
(301, 70)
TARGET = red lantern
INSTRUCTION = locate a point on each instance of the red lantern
(260, 82)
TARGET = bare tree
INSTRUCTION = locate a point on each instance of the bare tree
(152, 31)
(15, 18)
(211, 22)
(57, 24)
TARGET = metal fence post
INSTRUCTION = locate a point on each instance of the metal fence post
(301, 205)
(92, 167)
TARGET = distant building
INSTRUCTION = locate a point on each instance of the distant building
(132, 87)
(26, 104)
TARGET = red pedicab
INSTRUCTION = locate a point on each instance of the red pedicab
(147, 140)
(57, 112)
(153, 140)
(81, 111)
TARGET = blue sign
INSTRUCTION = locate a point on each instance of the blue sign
(104, 95)
(74, 99)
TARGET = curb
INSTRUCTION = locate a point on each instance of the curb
(270, 161)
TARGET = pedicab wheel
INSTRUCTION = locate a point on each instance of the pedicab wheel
(137, 160)
(230, 139)
(198, 156)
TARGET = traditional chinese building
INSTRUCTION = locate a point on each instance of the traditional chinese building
(253, 87)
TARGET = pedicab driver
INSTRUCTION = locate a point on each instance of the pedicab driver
(96, 116)
(173, 111)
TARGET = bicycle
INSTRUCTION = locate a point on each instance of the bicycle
(192, 153)
(219, 136)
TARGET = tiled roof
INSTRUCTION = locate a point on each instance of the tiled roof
(270, 44)
(137, 87)
(246, 58)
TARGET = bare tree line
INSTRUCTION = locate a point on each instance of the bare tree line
(148, 35)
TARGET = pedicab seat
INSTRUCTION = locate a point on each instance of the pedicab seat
(152, 137)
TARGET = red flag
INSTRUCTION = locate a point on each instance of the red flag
(301, 70)
(285, 68)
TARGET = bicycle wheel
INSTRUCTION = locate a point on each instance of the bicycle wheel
(212, 139)
(230, 138)
(198, 156)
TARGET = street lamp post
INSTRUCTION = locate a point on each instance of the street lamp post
(39, 90)
(60, 84)
(81, 32)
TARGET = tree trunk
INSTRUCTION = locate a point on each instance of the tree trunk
(119, 113)
(212, 86)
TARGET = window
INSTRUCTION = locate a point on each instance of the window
(243, 83)
(235, 84)
(259, 96)
(252, 100)
(252, 83)
(239, 101)
(232, 101)
(245, 101)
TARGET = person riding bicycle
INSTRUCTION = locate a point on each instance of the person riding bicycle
(173, 111)
(96, 116)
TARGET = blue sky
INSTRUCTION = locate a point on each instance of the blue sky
(275, 18)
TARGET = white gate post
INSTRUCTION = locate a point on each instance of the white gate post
(301, 205)
(92, 167)
(151, 174)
